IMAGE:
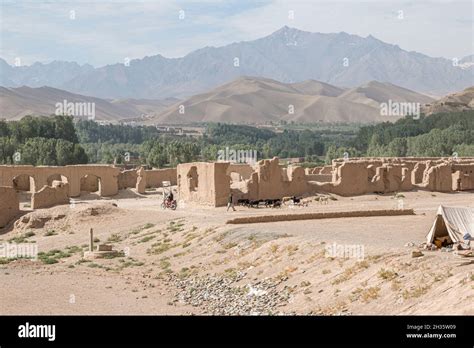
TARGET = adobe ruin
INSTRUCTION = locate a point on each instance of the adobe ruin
(396, 174)
(9, 205)
(204, 183)
(345, 177)
(50, 196)
(93, 177)
(152, 178)
(211, 183)
(54, 185)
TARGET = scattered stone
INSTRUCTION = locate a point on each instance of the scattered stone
(416, 253)
(222, 295)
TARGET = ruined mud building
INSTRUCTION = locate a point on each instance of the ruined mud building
(211, 183)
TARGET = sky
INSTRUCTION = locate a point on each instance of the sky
(112, 31)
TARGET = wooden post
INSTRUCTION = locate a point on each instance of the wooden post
(91, 243)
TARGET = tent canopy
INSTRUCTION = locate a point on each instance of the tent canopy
(453, 223)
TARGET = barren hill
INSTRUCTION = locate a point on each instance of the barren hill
(313, 87)
(18, 102)
(259, 100)
(374, 93)
(460, 101)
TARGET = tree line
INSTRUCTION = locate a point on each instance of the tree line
(40, 141)
(61, 140)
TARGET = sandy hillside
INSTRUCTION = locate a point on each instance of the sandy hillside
(191, 261)
(259, 100)
(455, 102)
(16, 103)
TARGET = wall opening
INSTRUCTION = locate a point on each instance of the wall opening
(56, 177)
(90, 183)
(24, 184)
(193, 179)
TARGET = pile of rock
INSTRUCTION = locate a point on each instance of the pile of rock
(225, 295)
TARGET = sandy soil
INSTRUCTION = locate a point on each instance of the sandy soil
(190, 261)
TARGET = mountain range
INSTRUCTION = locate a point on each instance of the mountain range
(288, 55)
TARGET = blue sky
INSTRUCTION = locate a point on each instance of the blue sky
(106, 32)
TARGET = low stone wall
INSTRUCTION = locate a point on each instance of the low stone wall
(50, 196)
(324, 215)
(9, 205)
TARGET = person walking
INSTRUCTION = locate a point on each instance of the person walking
(230, 202)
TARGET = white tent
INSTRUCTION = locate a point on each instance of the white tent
(453, 223)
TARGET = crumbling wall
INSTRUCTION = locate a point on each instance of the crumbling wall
(463, 177)
(270, 181)
(314, 170)
(319, 177)
(204, 183)
(357, 177)
(50, 196)
(108, 178)
(43, 175)
(438, 178)
(127, 178)
(350, 178)
(417, 173)
(9, 205)
(326, 170)
(140, 186)
(240, 171)
(396, 178)
(155, 177)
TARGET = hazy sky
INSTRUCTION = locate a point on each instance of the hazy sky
(106, 32)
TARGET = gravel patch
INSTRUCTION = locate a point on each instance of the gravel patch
(225, 295)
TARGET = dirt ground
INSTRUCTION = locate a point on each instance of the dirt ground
(189, 261)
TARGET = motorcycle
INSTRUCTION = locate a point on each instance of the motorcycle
(169, 204)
